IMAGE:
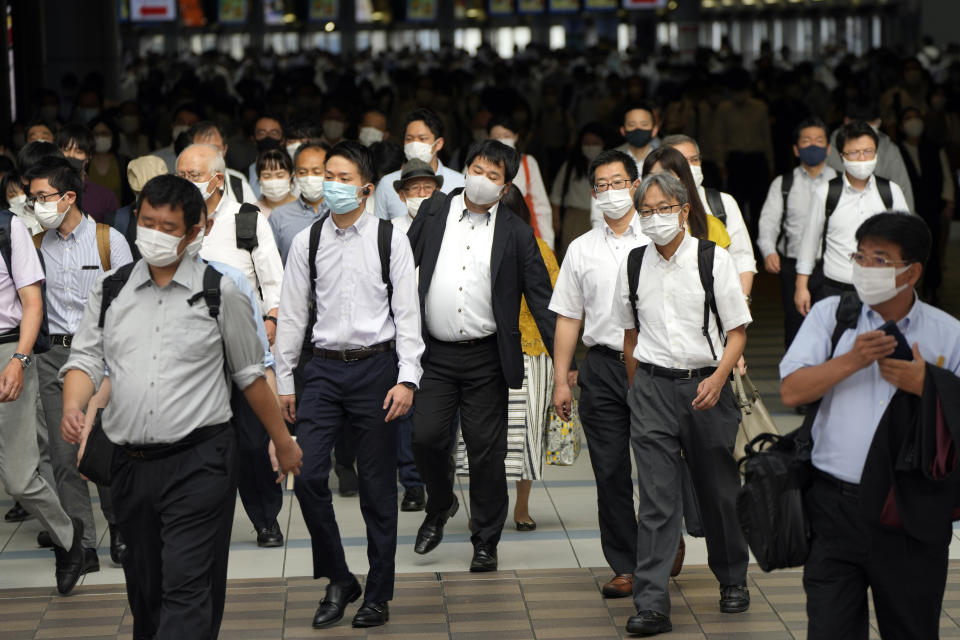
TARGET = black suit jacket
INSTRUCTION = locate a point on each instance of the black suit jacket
(516, 270)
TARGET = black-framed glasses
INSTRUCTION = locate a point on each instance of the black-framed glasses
(613, 184)
(662, 211)
(44, 197)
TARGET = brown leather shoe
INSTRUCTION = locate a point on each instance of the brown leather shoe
(620, 587)
(678, 561)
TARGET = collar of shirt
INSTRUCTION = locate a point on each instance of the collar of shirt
(633, 229)
(184, 276)
(306, 207)
(679, 257)
(826, 175)
(875, 320)
(357, 228)
(78, 230)
(848, 188)
(460, 204)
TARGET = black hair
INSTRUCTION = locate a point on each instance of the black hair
(671, 160)
(902, 116)
(503, 121)
(267, 116)
(32, 152)
(806, 123)
(6, 165)
(358, 155)
(178, 193)
(514, 201)
(183, 141)
(9, 179)
(609, 157)
(114, 131)
(75, 134)
(303, 129)
(206, 128)
(863, 109)
(312, 144)
(274, 159)
(39, 122)
(497, 153)
(909, 232)
(428, 117)
(188, 106)
(633, 106)
(59, 173)
(855, 129)
(387, 156)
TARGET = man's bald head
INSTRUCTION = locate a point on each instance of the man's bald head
(202, 158)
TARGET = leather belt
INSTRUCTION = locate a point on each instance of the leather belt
(355, 355)
(843, 487)
(62, 340)
(607, 352)
(675, 374)
(158, 451)
(10, 336)
(836, 284)
(466, 343)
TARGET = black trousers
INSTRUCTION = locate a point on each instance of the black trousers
(748, 176)
(831, 287)
(606, 423)
(175, 514)
(847, 555)
(337, 394)
(260, 494)
(788, 287)
(468, 378)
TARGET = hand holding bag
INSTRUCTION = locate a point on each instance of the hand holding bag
(754, 417)
(563, 437)
(96, 464)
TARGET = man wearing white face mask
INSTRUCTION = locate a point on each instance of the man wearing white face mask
(422, 139)
(839, 208)
(286, 221)
(184, 117)
(373, 128)
(334, 125)
(874, 392)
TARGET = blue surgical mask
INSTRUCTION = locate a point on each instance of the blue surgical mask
(812, 155)
(341, 198)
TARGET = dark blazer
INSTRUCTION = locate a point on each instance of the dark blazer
(516, 269)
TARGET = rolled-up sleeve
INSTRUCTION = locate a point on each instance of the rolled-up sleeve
(86, 349)
(243, 350)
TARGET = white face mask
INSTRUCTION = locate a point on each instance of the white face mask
(193, 249)
(292, 149)
(591, 151)
(333, 129)
(102, 144)
(177, 130)
(615, 203)
(47, 214)
(275, 190)
(661, 229)
(367, 136)
(204, 186)
(860, 169)
(510, 142)
(875, 285)
(419, 150)
(481, 190)
(159, 249)
(413, 206)
(17, 204)
(697, 172)
(311, 187)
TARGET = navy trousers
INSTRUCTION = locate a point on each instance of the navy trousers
(261, 495)
(337, 394)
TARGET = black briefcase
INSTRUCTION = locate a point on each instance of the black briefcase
(97, 460)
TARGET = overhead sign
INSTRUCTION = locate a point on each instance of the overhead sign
(153, 10)
(644, 4)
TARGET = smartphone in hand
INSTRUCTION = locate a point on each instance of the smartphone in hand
(902, 350)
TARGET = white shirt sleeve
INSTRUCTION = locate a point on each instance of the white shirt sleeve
(541, 203)
(596, 215)
(899, 200)
(406, 309)
(567, 298)
(293, 313)
(731, 303)
(771, 216)
(741, 248)
(622, 310)
(267, 264)
(812, 234)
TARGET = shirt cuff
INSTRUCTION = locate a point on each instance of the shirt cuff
(285, 385)
(95, 373)
(560, 310)
(410, 373)
(804, 268)
(248, 375)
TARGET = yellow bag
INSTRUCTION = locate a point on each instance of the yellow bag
(563, 437)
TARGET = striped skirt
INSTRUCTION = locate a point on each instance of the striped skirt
(527, 418)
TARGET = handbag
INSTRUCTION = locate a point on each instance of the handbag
(563, 437)
(754, 417)
(97, 460)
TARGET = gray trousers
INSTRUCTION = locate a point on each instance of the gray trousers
(19, 457)
(662, 423)
(73, 490)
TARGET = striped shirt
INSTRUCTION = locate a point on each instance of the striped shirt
(73, 265)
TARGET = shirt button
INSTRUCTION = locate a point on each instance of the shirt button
(468, 247)
(460, 289)
(158, 329)
(459, 310)
(159, 301)
(464, 268)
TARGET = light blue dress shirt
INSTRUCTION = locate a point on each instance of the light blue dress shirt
(287, 220)
(244, 286)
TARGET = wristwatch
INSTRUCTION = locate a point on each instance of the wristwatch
(25, 360)
(272, 319)
(409, 385)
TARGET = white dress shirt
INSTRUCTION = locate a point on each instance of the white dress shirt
(587, 281)
(852, 209)
(670, 307)
(459, 303)
(388, 203)
(741, 247)
(533, 184)
(799, 204)
(402, 223)
(262, 266)
(351, 297)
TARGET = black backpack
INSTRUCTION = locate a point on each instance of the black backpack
(705, 253)
(42, 343)
(246, 223)
(715, 202)
(776, 470)
(835, 190)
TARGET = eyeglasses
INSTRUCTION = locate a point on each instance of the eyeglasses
(662, 211)
(864, 260)
(44, 197)
(419, 190)
(860, 154)
(615, 185)
(193, 176)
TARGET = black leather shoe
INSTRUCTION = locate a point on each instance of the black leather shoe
(118, 546)
(44, 540)
(484, 558)
(734, 598)
(17, 513)
(414, 499)
(372, 614)
(70, 561)
(338, 596)
(270, 537)
(349, 485)
(91, 563)
(649, 623)
(431, 531)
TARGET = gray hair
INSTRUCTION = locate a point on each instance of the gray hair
(670, 186)
(217, 163)
(679, 138)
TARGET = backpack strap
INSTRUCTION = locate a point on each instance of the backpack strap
(210, 292)
(314, 246)
(886, 193)
(834, 190)
(112, 285)
(715, 201)
(634, 262)
(236, 185)
(384, 241)
(705, 255)
(103, 245)
(6, 249)
(38, 238)
(246, 226)
(786, 184)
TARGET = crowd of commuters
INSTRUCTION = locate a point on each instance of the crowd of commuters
(319, 247)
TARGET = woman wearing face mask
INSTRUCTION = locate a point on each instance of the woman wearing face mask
(275, 173)
(77, 144)
(15, 200)
(570, 195)
(107, 168)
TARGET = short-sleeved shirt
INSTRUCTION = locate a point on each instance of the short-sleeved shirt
(25, 269)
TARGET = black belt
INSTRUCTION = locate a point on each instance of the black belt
(11, 336)
(607, 352)
(845, 488)
(62, 340)
(675, 374)
(836, 284)
(167, 449)
(355, 355)
(466, 343)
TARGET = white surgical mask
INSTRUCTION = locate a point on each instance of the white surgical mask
(159, 249)
(367, 136)
(17, 204)
(697, 172)
(333, 129)
(47, 214)
(413, 206)
(102, 144)
(510, 142)
(591, 151)
(203, 186)
(661, 229)
(481, 190)
(275, 190)
(292, 148)
(875, 285)
(177, 130)
(860, 169)
(192, 250)
(311, 187)
(418, 150)
(615, 203)
(913, 127)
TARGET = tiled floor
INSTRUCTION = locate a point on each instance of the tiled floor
(548, 588)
